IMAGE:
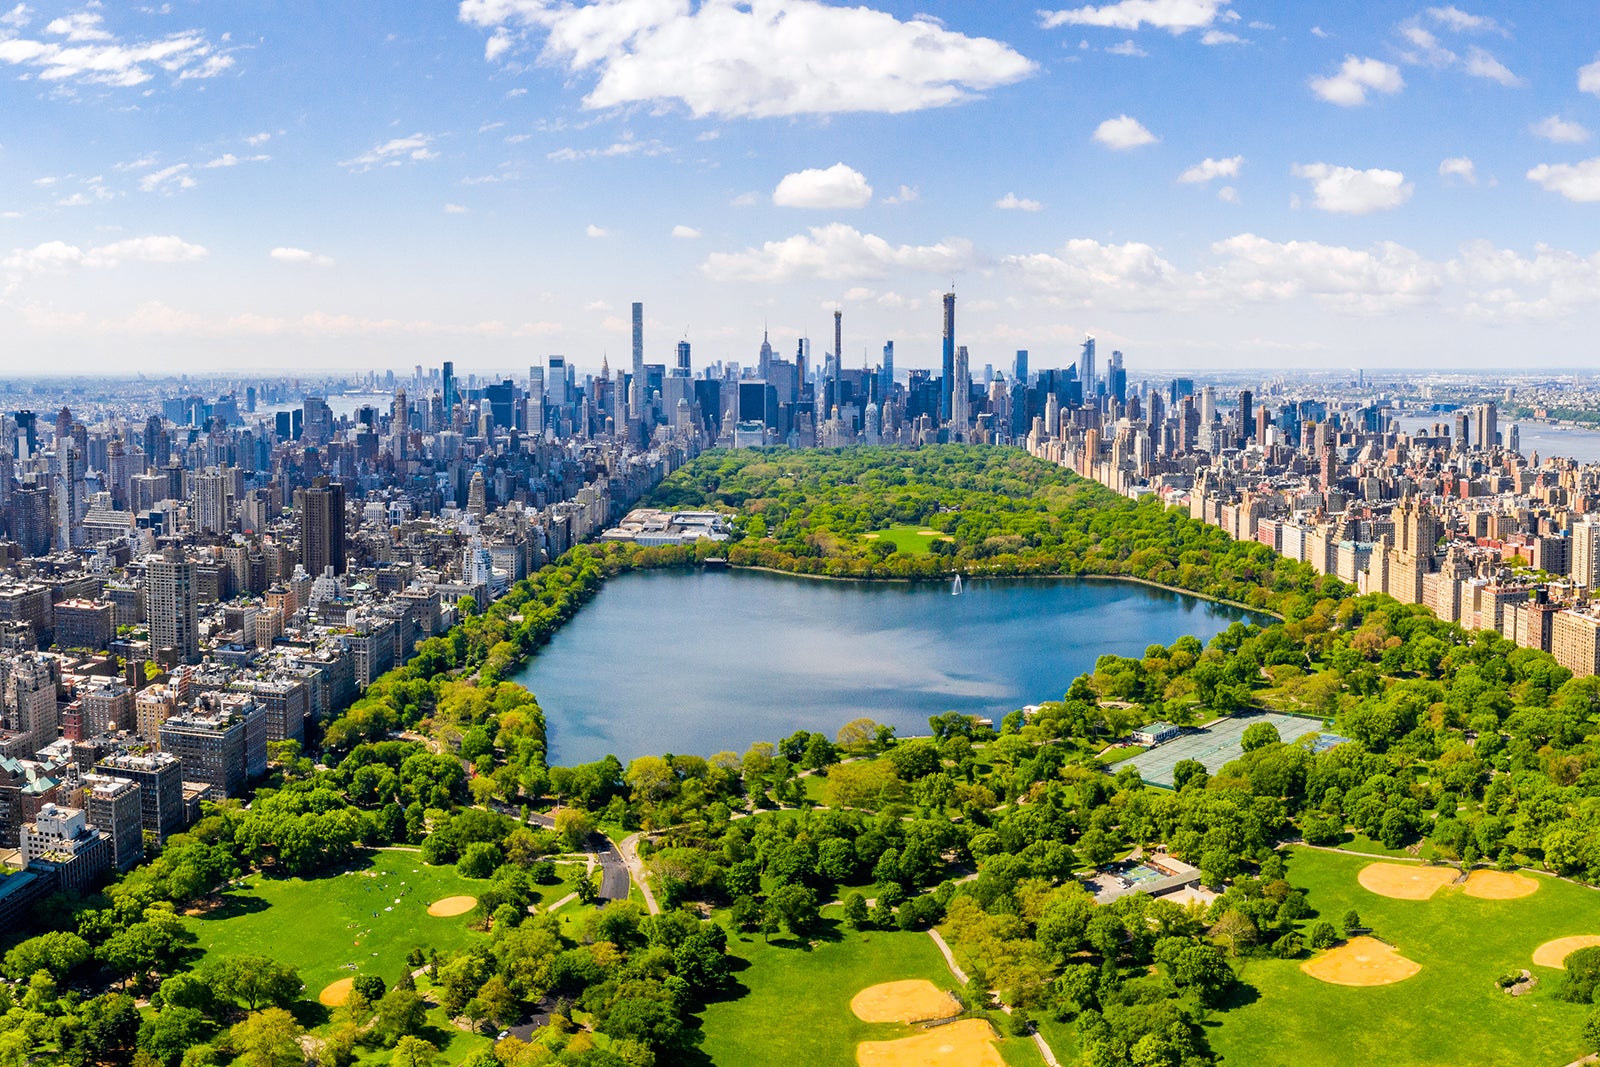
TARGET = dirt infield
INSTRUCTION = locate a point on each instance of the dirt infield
(968, 1043)
(1555, 953)
(1361, 961)
(1499, 885)
(335, 993)
(449, 906)
(912, 1001)
(1404, 882)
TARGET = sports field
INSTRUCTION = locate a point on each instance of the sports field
(780, 1013)
(1448, 1012)
(363, 921)
(1214, 746)
(911, 539)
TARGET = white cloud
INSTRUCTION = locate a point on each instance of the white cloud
(596, 232)
(137, 164)
(1228, 194)
(416, 148)
(1354, 192)
(835, 253)
(58, 255)
(1013, 202)
(717, 58)
(1589, 78)
(626, 145)
(904, 195)
(1209, 168)
(17, 17)
(301, 257)
(1216, 37)
(1459, 167)
(1318, 31)
(455, 209)
(1559, 130)
(1356, 77)
(838, 186)
(1127, 48)
(1366, 282)
(228, 159)
(167, 178)
(1174, 16)
(1578, 182)
(1122, 133)
(685, 233)
(256, 140)
(1481, 64)
(90, 54)
(1453, 18)
(1084, 271)
(750, 199)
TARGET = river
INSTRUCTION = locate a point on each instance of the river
(698, 662)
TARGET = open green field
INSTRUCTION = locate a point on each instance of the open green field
(342, 924)
(792, 1001)
(1450, 1013)
(911, 539)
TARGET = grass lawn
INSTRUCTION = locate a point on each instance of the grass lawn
(792, 1001)
(1450, 1013)
(327, 927)
(908, 539)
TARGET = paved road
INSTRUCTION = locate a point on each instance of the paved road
(613, 871)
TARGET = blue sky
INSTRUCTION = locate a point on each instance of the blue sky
(309, 185)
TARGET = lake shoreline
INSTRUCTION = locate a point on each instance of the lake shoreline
(990, 577)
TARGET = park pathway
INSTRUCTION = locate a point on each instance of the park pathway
(961, 976)
(628, 848)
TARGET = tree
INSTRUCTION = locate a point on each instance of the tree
(1591, 1029)
(1186, 771)
(1351, 923)
(168, 1033)
(1237, 930)
(855, 911)
(371, 987)
(253, 981)
(1323, 935)
(400, 1012)
(574, 828)
(1259, 735)
(414, 1052)
(498, 1003)
(269, 1038)
(480, 859)
(1582, 978)
(794, 906)
(54, 952)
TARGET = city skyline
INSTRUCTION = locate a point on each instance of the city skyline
(494, 181)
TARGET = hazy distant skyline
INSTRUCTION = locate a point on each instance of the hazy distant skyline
(187, 186)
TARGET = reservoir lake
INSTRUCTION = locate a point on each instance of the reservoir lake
(692, 662)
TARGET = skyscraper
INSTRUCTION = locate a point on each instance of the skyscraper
(685, 370)
(960, 397)
(1019, 369)
(948, 363)
(321, 511)
(70, 502)
(1086, 373)
(886, 373)
(170, 603)
(450, 398)
(636, 397)
(211, 502)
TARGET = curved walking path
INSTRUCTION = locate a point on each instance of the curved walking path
(1039, 1042)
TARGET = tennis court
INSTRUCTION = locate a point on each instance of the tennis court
(1213, 746)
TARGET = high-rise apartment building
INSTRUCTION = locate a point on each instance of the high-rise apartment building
(113, 807)
(70, 500)
(321, 513)
(211, 502)
(1086, 369)
(171, 603)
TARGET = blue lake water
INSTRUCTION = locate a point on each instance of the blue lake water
(698, 662)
